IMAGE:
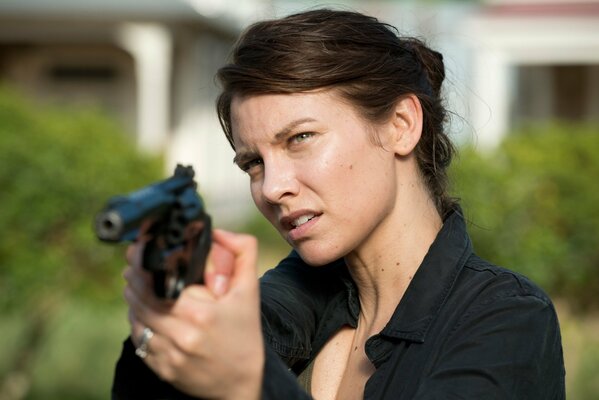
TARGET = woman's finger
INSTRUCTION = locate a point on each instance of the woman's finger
(156, 351)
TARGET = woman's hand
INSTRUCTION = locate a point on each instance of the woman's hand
(208, 343)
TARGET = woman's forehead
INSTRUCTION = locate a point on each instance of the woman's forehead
(271, 118)
(276, 110)
(265, 115)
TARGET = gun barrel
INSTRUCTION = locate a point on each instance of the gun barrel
(120, 219)
(179, 229)
(110, 226)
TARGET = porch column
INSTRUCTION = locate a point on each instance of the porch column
(490, 102)
(151, 47)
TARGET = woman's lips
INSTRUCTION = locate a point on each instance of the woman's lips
(301, 226)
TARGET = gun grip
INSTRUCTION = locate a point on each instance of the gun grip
(183, 265)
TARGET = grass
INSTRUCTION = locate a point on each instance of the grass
(77, 356)
(580, 340)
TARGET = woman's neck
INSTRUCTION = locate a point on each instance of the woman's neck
(383, 266)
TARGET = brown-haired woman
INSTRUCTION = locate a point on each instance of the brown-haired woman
(339, 124)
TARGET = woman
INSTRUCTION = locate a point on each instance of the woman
(339, 124)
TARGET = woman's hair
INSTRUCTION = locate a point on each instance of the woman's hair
(363, 59)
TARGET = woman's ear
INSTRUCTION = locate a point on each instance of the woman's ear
(407, 124)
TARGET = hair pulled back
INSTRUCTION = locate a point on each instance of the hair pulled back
(362, 58)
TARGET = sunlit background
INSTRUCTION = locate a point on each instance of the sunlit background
(102, 97)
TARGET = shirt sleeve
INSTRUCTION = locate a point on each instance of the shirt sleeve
(134, 380)
(505, 348)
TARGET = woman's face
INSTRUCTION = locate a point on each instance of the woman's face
(315, 172)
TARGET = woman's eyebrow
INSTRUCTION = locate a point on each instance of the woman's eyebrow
(242, 156)
(281, 134)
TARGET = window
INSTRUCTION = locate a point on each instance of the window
(556, 92)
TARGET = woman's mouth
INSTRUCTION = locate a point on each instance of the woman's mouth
(301, 220)
(299, 224)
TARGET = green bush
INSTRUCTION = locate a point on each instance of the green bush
(585, 385)
(58, 167)
(533, 204)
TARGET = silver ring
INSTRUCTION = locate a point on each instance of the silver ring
(142, 350)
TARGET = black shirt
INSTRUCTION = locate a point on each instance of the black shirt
(464, 329)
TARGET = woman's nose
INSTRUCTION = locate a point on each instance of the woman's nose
(280, 182)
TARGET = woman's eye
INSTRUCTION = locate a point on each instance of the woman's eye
(249, 165)
(301, 137)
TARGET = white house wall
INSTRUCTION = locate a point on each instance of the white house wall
(500, 44)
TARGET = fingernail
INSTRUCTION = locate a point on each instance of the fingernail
(220, 285)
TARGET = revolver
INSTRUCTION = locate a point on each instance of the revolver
(171, 216)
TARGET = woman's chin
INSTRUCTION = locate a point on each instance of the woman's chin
(317, 257)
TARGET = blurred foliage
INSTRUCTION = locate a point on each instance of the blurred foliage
(581, 352)
(533, 204)
(58, 168)
(75, 360)
(271, 246)
(586, 384)
(259, 226)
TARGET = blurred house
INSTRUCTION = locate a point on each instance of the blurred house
(148, 63)
(508, 62)
(532, 60)
(151, 64)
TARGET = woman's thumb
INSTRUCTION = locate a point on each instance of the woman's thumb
(219, 269)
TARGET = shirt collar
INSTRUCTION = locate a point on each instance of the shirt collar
(432, 282)
(412, 318)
